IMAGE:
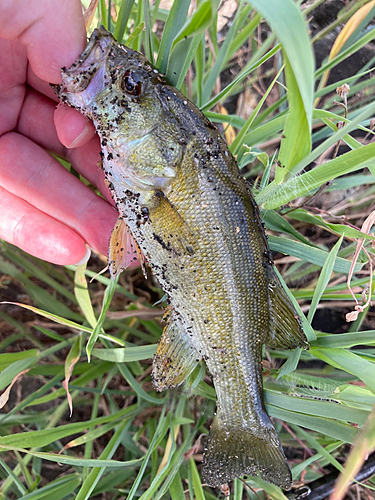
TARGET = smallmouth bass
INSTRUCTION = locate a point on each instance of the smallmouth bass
(185, 207)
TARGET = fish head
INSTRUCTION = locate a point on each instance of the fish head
(121, 92)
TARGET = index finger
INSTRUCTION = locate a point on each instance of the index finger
(52, 31)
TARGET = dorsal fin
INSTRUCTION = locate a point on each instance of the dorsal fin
(286, 328)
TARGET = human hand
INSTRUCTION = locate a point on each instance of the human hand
(45, 210)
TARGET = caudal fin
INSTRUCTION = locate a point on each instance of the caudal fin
(234, 452)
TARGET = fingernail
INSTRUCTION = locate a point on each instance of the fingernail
(86, 131)
(85, 258)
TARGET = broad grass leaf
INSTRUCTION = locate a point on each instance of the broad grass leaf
(126, 354)
(276, 222)
(56, 490)
(326, 426)
(272, 197)
(181, 58)
(199, 21)
(310, 406)
(272, 491)
(307, 253)
(291, 363)
(341, 229)
(176, 19)
(122, 19)
(349, 362)
(296, 142)
(287, 22)
(8, 358)
(346, 340)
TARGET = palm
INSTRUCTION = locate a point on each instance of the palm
(45, 210)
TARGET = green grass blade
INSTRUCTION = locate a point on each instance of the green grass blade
(308, 253)
(238, 141)
(95, 475)
(181, 58)
(53, 317)
(176, 19)
(222, 56)
(56, 490)
(324, 278)
(346, 340)
(197, 485)
(240, 77)
(286, 21)
(296, 142)
(108, 294)
(75, 461)
(349, 362)
(126, 373)
(127, 354)
(122, 20)
(82, 295)
(274, 197)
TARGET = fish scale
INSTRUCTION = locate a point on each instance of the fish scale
(184, 205)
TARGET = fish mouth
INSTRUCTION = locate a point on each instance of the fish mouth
(78, 77)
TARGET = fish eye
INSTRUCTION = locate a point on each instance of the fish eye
(132, 83)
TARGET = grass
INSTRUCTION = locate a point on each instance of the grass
(124, 439)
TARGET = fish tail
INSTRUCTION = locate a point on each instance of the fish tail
(234, 451)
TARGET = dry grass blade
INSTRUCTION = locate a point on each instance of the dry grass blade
(5, 395)
(367, 225)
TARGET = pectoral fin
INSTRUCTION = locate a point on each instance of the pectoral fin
(175, 358)
(123, 249)
(171, 230)
(286, 328)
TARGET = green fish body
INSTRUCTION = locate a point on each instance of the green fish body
(184, 205)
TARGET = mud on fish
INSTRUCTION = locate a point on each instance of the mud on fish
(186, 210)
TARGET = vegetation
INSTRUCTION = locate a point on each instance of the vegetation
(125, 440)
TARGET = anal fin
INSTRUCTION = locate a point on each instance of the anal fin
(171, 230)
(175, 358)
(286, 330)
(123, 249)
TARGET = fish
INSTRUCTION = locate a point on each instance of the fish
(187, 212)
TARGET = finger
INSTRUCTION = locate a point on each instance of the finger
(38, 234)
(45, 184)
(53, 33)
(12, 78)
(73, 129)
(36, 122)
